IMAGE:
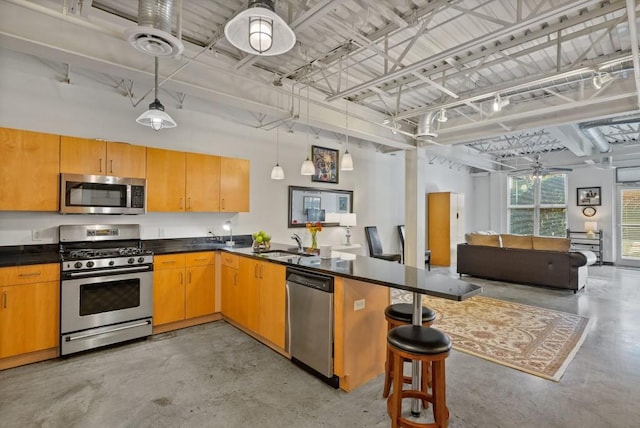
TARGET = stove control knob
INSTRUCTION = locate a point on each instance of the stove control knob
(140, 259)
(90, 264)
(78, 265)
(131, 260)
(111, 263)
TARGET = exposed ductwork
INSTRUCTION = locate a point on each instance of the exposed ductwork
(597, 139)
(153, 35)
(425, 125)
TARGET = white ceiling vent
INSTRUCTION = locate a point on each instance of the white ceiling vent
(153, 35)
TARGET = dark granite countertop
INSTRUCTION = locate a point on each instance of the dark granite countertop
(376, 271)
(18, 255)
(187, 245)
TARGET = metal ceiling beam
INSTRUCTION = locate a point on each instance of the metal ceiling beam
(633, 35)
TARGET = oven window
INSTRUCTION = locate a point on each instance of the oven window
(109, 296)
(95, 195)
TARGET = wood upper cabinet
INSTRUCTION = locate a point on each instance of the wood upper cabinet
(178, 181)
(29, 171)
(29, 309)
(84, 156)
(183, 286)
(234, 185)
(165, 180)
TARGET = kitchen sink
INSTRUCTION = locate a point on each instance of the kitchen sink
(286, 256)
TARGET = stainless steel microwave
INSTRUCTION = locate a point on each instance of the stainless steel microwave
(101, 194)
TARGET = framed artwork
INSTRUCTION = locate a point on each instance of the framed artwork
(343, 204)
(588, 196)
(311, 203)
(326, 163)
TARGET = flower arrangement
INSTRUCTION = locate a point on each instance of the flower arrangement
(314, 228)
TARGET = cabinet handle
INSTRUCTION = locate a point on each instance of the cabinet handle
(181, 278)
(167, 262)
(111, 166)
(189, 202)
(200, 259)
(181, 203)
(255, 271)
(100, 165)
(222, 203)
(29, 274)
(4, 300)
(189, 278)
(261, 268)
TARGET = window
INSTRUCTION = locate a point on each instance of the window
(538, 205)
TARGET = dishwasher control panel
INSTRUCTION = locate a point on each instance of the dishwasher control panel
(319, 282)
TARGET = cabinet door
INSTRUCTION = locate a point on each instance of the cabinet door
(229, 292)
(168, 296)
(30, 179)
(165, 180)
(202, 183)
(126, 160)
(200, 291)
(234, 185)
(83, 156)
(29, 318)
(248, 297)
(273, 303)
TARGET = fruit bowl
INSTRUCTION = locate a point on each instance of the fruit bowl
(261, 241)
(260, 246)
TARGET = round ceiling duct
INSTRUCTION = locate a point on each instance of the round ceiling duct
(153, 35)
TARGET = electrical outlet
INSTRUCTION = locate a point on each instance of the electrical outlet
(35, 235)
(358, 305)
(161, 232)
(210, 231)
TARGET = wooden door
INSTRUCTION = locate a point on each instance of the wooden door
(273, 304)
(29, 318)
(126, 160)
(439, 227)
(165, 180)
(234, 185)
(202, 183)
(168, 296)
(200, 291)
(83, 156)
(29, 177)
(248, 297)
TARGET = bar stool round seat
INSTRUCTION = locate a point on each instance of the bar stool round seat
(396, 315)
(429, 346)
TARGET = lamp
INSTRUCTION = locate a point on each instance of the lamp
(307, 168)
(499, 103)
(601, 78)
(591, 227)
(348, 220)
(347, 161)
(277, 173)
(155, 117)
(259, 30)
(227, 226)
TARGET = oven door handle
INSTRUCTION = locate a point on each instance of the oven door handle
(84, 336)
(116, 270)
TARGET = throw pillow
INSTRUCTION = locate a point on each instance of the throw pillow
(523, 242)
(480, 239)
(551, 244)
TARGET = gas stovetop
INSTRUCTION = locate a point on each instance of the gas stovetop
(96, 253)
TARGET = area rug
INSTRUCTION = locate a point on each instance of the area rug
(534, 340)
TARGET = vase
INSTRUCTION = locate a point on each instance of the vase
(314, 241)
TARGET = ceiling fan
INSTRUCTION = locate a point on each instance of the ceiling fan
(538, 170)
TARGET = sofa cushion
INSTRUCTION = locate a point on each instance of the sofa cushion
(482, 239)
(524, 242)
(551, 244)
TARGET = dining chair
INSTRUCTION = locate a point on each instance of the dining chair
(427, 253)
(375, 246)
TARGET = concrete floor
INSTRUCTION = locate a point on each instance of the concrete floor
(215, 376)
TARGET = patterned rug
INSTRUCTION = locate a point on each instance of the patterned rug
(534, 340)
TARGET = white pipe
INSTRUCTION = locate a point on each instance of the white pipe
(633, 36)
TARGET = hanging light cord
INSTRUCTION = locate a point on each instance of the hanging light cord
(346, 120)
(156, 84)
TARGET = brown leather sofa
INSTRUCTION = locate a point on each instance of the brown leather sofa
(549, 268)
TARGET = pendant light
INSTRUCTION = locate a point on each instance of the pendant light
(277, 173)
(156, 117)
(259, 30)
(347, 161)
(308, 168)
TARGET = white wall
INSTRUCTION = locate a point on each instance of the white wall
(33, 99)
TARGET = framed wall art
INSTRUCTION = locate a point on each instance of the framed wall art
(588, 196)
(326, 163)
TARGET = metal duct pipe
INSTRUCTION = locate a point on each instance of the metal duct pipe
(424, 126)
(597, 139)
(156, 14)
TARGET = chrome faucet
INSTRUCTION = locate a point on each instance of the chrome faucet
(297, 238)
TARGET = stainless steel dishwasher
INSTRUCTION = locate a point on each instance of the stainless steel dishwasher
(310, 323)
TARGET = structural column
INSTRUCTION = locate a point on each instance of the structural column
(414, 202)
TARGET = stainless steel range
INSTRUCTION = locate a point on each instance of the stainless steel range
(106, 288)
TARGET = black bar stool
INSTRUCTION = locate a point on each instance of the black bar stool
(401, 314)
(430, 347)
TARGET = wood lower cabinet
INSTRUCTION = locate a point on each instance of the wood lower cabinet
(85, 156)
(183, 286)
(29, 172)
(263, 299)
(29, 310)
(230, 296)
